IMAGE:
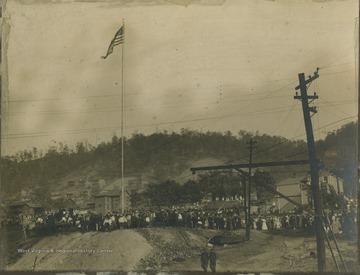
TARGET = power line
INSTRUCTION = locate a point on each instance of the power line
(333, 105)
(132, 108)
(249, 105)
(286, 140)
(67, 98)
(332, 62)
(40, 134)
(352, 70)
(331, 113)
(128, 94)
(282, 125)
(341, 64)
(79, 131)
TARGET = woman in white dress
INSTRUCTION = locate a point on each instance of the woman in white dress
(264, 225)
(336, 226)
(277, 223)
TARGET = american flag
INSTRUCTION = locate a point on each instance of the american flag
(117, 40)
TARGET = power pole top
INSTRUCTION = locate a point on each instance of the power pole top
(309, 80)
(251, 142)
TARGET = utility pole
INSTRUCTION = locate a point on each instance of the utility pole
(315, 188)
(248, 225)
(245, 201)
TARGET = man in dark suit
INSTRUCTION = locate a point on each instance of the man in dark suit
(204, 260)
(212, 258)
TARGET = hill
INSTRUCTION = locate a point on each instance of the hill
(162, 156)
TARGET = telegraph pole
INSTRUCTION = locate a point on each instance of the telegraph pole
(248, 224)
(245, 204)
(315, 188)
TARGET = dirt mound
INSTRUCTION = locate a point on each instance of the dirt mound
(117, 250)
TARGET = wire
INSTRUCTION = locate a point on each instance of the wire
(332, 62)
(132, 108)
(286, 140)
(293, 155)
(251, 104)
(341, 64)
(39, 134)
(352, 70)
(331, 113)
(298, 127)
(282, 125)
(333, 105)
(67, 98)
(136, 93)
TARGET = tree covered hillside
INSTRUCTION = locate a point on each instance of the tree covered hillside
(339, 152)
(164, 156)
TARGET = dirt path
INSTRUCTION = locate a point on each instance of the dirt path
(263, 253)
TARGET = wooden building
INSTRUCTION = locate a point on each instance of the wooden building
(108, 201)
(27, 208)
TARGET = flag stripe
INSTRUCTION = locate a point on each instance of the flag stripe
(117, 40)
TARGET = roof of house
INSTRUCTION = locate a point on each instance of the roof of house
(64, 202)
(28, 203)
(106, 193)
(292, 181)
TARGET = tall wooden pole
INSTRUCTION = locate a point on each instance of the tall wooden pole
(315, 188)
(245, 187)
(122, 125)
(248, 225)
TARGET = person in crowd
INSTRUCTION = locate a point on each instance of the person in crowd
(121, 221)
(264, 225)
(204, 257)
(212, 259)
(336, 227)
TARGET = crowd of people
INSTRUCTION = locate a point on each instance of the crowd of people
(224, 219)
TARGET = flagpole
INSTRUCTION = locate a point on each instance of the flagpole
(122, 124)
(117, 40)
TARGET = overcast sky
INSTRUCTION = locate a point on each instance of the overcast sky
(210, 65)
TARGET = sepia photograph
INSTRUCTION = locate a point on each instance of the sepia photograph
(179, 136)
